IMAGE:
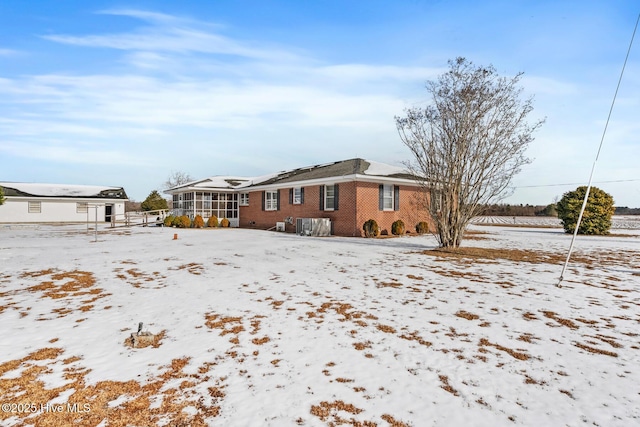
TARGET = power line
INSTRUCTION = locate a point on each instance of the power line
(576, 183)
(586, 195)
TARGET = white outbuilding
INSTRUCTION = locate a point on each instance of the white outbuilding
(59, 203)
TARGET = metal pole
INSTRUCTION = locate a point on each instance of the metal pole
(586, 196)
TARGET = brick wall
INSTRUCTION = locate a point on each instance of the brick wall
(346, 220)
(411, 207)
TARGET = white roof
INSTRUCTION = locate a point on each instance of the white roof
(57, 190)
(383, 169)
(218, 182)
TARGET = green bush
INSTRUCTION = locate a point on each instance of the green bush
(397, 228)
(224, 222)
(597, 214)
(198, 222)
(371, 228)
(168, 221)
(422, 227)
(212, 221)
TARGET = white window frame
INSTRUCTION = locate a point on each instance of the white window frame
(271, 200)
(327, 198)
(244, 199)
(387, 197)
(82, 207)
(297, 195)
(35, 207)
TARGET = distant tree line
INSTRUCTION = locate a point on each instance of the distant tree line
(624, 210)
(540, 210)
(519, 210)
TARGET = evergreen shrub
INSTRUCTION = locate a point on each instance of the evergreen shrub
(422, 227)
(397, 228)
(212, 221)
(224, 222)
(597, 214)
(184, 221)
(198, 222)
(371, 228)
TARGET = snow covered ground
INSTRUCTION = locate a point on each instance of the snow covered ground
(617, 222)
(267, 329)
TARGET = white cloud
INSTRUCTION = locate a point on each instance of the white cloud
(171, 34)
(8, 52)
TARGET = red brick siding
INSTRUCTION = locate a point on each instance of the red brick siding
(346, 220)
(411, 209)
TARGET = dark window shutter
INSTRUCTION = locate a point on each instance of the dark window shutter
(278, 200)
(291, 196)
(381, 197)
(396, 198)
(321, 197)
(335, 197)
(263, 198)
(302, 196)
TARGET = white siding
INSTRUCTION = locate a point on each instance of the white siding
(54, 210)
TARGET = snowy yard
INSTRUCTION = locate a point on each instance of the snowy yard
(267, 329)
(625, 222)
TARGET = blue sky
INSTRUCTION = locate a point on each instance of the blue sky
(123, 93)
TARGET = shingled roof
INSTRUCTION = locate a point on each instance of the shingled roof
(341, 168)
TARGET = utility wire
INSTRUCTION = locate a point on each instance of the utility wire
(586, 196)
(575, 183)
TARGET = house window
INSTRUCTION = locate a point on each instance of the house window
(271, 200)
(329, 197)
(35, 207)
(387, 197)
(244, 199)
(82, 207)
(297, 196)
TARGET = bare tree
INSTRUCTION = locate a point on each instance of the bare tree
(467, 144)
(176, 178)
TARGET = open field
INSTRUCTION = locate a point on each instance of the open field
(618, 222)
(257, 328)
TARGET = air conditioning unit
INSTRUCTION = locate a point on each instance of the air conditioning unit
(313, 226)
(280, 226)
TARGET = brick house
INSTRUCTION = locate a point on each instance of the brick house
(347, 192)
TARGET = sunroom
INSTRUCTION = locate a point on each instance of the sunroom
(208, 197)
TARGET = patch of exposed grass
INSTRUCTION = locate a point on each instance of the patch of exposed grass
(595, 350)
(466, 315)
(446, 386)
(515, 354)
(161, 400)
